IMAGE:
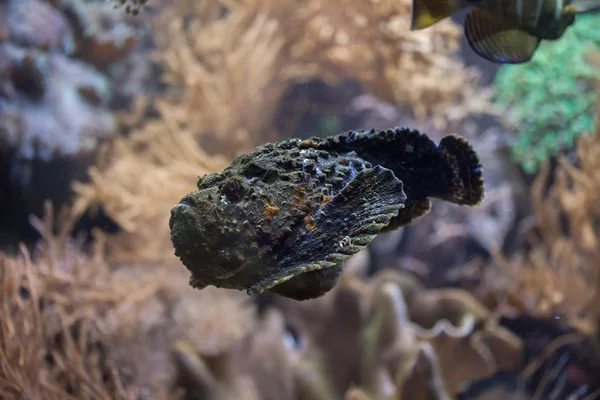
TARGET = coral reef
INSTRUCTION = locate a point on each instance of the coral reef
(559, 275)
(453, 306)
(101, 332)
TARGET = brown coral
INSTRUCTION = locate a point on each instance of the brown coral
(283, 42)
(386, 319)
(152, 169)
(48, 336)
(74, 327)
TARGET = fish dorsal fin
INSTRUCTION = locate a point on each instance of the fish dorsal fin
(582, 6)
(427, 12)
(496, 41)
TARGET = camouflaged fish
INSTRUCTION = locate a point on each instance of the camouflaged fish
(505, 31)
(284, 217)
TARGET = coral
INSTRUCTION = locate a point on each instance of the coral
(558, 71)
(282, 43)
(302, 350)
(556, 279)
(270, 365)
(54, 106)
(213, 330)
(559, 276)
(457, 326)
(151, 170)
(33, 23)
(101, 37)
(75, 327)
(65, 66)
(55, 98)
(49, 334)
(390, 318)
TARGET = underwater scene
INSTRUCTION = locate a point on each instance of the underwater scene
(300, 199)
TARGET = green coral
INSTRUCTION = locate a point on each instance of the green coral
(551, 99)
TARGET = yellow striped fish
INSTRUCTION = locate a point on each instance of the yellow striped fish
(505, 31)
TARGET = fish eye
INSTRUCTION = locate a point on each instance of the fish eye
(233, 190)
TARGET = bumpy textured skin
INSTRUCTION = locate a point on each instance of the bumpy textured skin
(284, 217)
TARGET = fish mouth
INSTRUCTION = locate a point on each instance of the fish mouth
(193, 239)
(183, 211)
(186, 229)
(180, 212)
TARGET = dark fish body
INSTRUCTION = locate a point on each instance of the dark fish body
(284, 217)
(505, 31)
(544, 19)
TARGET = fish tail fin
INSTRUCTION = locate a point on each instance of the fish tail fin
(497, 41)
(427, 12)
(465, 171)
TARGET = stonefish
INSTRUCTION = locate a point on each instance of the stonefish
(284, 217)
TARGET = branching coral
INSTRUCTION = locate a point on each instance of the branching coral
(284, 42)
(75, 327)
(48, 338)
(151, 171)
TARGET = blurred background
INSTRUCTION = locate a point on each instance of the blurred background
(108, 118)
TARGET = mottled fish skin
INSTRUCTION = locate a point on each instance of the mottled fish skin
(284, 217)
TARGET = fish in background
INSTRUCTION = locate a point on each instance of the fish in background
(505, 31)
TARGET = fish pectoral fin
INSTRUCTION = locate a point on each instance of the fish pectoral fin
(496, 41)
(427, 12)
(582, 6)
(414, 209)
(343, 226)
